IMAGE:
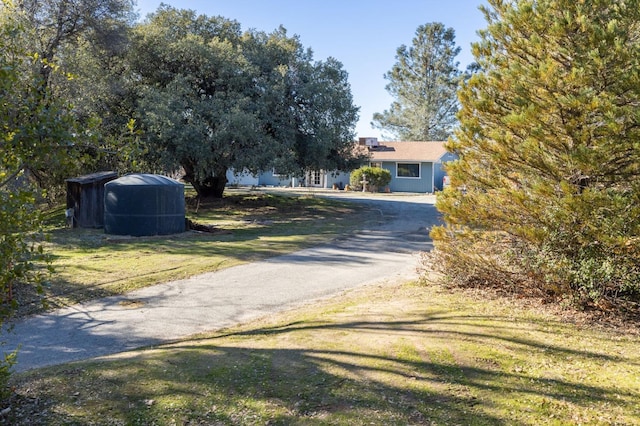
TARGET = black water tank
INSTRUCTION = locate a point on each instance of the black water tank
(144, 204)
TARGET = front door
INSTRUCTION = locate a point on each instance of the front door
(315, 179)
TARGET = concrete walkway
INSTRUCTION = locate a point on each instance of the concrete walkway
(162, 313)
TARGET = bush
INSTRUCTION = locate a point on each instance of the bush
(586, 250)
(6, 363)
(377, 177)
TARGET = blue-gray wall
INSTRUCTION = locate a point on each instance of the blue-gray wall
(244, 179)
(339, 178)
(439, 172)
(422, 184)
(431, 177)
(268, 179)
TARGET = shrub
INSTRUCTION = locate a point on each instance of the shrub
(6, 363)
(377, 177)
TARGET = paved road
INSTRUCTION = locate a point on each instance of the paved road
(386, 251)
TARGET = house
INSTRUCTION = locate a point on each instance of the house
(313, 179)
(244, 178)
(414, 166)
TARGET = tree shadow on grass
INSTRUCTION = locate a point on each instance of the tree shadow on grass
(359, 248)
(316, 373)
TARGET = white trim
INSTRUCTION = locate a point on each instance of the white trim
(433, 177)
(322, 178)
(409, 177)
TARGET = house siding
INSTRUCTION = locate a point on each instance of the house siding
(269, 179)
(328, 180)
(243, 179)
(340, 178)
(431, 157)
(439, 172)
(422, 184)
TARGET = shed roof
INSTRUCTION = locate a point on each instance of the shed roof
(94, 177)
(408, 151)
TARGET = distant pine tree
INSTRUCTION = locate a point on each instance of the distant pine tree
(423, 82)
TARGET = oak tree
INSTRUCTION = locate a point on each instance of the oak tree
(215, 98)
(67, 39)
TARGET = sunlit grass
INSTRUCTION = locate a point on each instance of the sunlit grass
(249, 226)
(390, 354)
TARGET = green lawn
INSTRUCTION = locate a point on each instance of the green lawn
(249, 226)
(389, 354)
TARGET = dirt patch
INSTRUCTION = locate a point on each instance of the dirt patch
(131, 304)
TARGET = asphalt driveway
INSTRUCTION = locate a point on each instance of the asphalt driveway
(386, 251)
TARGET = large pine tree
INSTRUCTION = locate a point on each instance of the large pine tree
(549, 148)
(423, 83)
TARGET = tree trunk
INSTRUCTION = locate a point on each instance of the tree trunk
(209, 187)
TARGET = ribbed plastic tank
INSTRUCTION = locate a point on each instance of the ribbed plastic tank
(143, 205)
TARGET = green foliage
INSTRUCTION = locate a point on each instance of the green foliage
(60, 27)
(103, 95)
(423, 82)
(21, 260)
(322, 117)
(52, 137)
(377, 177)
(7, 361)
(33, 136)
(79, 47)
(549, 148)
(214, 98)
(20, 246)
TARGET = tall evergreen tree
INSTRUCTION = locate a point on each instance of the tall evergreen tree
(423, 82)
(549, 147)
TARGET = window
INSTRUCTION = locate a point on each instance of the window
(377, 164)
(408, 170)
(316, 178)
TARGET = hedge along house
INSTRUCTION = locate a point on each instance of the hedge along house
(414, 166)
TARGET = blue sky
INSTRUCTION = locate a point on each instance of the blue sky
(362, 34)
